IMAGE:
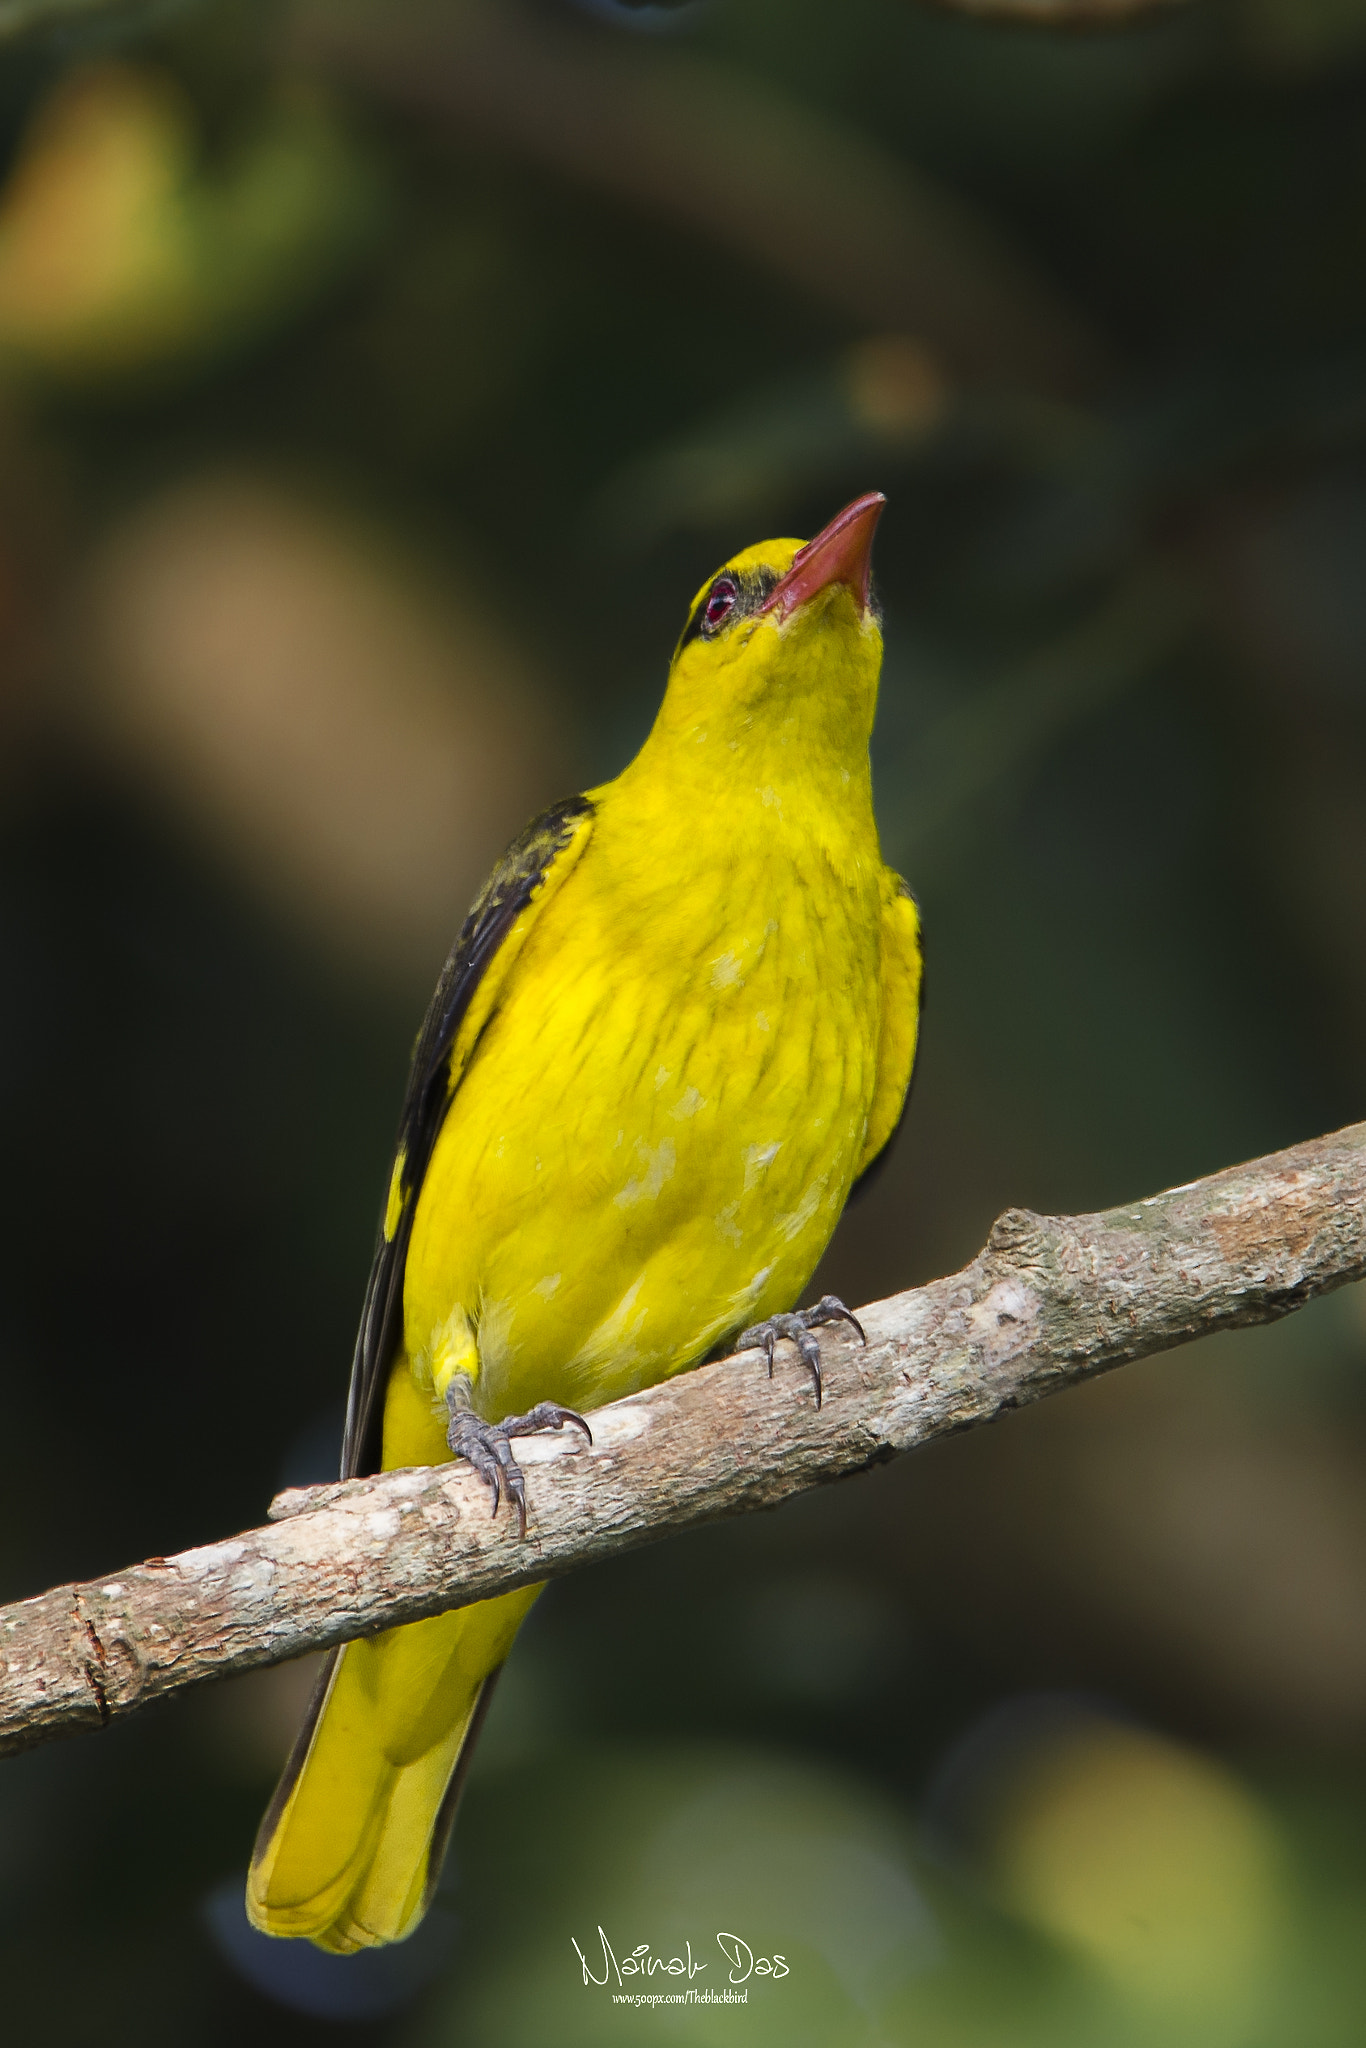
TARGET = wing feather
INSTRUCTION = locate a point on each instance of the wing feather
(558, 835)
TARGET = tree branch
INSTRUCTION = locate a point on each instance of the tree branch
(1048, 1302)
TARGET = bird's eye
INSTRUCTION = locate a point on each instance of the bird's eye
(720, 603)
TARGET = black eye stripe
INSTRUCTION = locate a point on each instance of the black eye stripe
(752, 587)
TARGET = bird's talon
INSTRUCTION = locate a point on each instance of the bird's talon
(797, 1327)
(488, 1447)
(830, 1309)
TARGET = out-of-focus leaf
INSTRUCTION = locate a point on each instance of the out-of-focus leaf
(121, 254)
(359, 748)
(663, 1849)
(1154, 1863)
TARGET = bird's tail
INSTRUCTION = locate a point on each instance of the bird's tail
(351, 1846)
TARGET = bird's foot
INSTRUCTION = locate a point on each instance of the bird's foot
(798, 1327)
(488, 1446)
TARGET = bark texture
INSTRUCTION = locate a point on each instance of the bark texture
(1049, 1301)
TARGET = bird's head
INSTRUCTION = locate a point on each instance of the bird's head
(783, 645)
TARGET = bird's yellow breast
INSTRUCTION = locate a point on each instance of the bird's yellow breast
(680, 1017)
(657, 1130)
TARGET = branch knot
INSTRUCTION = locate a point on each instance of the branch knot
(1017, 1231)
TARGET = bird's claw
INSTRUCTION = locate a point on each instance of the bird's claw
(488, 1447)
(797, 1327)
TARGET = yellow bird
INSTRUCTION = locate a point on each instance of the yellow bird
(677, 1026)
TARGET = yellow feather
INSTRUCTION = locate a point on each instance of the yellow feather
(901, 971)
(346, 1860)
(393, 1208)
(695, 1035)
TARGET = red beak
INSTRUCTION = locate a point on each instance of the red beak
(841, 553)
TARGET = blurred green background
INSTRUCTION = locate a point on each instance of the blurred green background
(377, 383)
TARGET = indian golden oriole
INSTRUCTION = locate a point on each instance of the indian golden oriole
(677, 1026)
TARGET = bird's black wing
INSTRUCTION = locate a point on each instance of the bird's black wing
(504, 896)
